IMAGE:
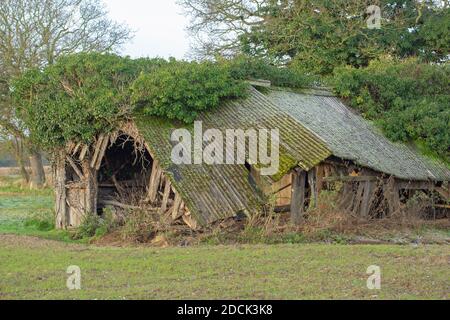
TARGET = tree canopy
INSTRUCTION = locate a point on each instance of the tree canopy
(317, 36)
(408, 100)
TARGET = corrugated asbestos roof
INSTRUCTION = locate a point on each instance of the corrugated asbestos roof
(214, 192)
(353, 138)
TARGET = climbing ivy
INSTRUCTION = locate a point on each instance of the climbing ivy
(179, 90)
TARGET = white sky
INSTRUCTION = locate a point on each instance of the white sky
(159, 25)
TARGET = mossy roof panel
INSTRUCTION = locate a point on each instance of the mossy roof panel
(351, 137)
(214, 192)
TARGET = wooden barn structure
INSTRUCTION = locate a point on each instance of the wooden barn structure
(322, 142)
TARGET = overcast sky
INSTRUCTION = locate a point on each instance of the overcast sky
(159, 25)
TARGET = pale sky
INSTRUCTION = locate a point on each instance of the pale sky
(159, 25)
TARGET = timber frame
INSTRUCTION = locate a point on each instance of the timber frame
(79, 192)
(364, 192)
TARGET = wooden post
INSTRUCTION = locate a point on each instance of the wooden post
(369, 187)
(298, 196)
(312, 180)
(166, 195)
(62, 219)
(320, 174)
(91, 193)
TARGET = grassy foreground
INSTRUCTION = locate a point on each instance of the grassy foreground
(36, 269)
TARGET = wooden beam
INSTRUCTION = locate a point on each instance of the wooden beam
(97, 148)
(298, 196)
(351, 178)
(176, 212)
(415, 185)
(259, 83)
(153, 184)
(320, 175)
(75, 167)
(313, 185)
(102, 152)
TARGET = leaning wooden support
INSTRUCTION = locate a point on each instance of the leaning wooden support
(166, 195)
(176, 211)
(154, 182)
(298, 197)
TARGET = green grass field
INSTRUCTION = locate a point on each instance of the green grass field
(33, 267)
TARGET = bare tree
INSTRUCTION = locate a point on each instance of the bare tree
(34, 33)
(216, 25)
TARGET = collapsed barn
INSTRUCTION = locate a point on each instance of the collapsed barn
(321, 143)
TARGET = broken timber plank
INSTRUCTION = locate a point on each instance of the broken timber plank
(98, 145)
(101, 154)
(350, 178)
(166, 195)
(176, 212)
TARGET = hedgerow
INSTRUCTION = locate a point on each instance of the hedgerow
(409, 100)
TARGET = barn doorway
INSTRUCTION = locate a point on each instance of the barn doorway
(124, 174)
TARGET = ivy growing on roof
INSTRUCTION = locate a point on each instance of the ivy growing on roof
(84, 94)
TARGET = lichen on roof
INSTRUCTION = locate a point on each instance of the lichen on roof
(213, 192)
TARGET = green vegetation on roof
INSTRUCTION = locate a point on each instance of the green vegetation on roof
(409, 100)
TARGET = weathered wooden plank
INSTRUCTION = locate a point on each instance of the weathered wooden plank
(415, 185)
(312, 180)
(351, 178)
(154, 182)
(176, 212)
(75, 167)
(166, 196)
(298, 196)
(369, 188)
(97, 148)
(83, 152)
(358, 199)
(102, 152)
(320, 175)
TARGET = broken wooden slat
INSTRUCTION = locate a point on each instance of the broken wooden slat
(153, 185)
(75, 167)
(97, 148)
(358, 199)
(176, 212)
(83, 152)
(369, 188)
(313, 185)
(166, 195)
(298, 196)
(102, 152)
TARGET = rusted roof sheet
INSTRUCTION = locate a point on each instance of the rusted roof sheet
(351, 137)
(214, 192)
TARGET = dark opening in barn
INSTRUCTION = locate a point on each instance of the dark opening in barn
(124, 173)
